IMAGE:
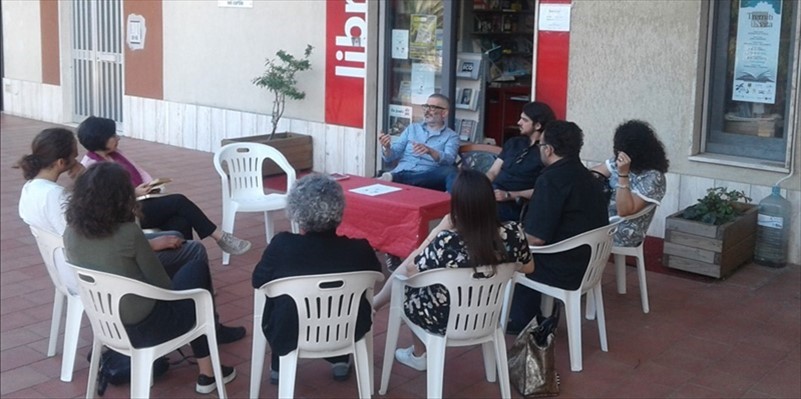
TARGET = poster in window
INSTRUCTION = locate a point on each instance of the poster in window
(400, 117)
(400, 44)
(757, 55)
(422, 82)
(422, 36)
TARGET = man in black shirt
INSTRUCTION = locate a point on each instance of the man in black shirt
(567, 201)
(515, 171)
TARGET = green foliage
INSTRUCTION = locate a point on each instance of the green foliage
(279, 79)
(717, 207)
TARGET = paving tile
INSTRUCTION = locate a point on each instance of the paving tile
(782, 380)
(20, 378)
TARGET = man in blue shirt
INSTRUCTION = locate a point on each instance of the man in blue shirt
(425, 151)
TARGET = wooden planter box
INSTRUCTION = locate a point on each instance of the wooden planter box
(711, 250)
(297, 148)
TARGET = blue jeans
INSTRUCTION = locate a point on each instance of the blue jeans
(174, 259)
(434, 179)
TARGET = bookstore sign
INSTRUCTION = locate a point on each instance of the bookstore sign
(345, 62)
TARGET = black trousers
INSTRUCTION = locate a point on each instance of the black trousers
(169, 319)
(176, 212)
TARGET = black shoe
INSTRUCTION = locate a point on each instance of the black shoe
(340, 371)
(207, 385)
(226, 335)
(274, 377)
(393, 262)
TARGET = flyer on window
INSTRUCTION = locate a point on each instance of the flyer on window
(757, 55)
(422, 36)
(422, 82)
(400, 116)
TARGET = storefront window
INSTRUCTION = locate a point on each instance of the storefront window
(750, 97)
(415, 60)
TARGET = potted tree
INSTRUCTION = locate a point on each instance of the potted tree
(279, 79)
(714, 236)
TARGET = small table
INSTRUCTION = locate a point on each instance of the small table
(396, 222)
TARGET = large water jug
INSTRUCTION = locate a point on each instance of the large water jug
(773, 230)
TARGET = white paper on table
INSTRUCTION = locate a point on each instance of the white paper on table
(374, 190)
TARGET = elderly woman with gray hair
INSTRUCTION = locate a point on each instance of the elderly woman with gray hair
(316, 203)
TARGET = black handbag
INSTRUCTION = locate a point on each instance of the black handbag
(532, 365)
(115, 369)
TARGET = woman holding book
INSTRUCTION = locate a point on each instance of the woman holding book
(165, 212)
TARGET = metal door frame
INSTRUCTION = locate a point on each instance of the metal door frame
(97, 59)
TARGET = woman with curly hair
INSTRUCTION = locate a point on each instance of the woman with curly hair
(165, 212)
(469, 236)
(316, 203)
(102, 235)
(637, 174)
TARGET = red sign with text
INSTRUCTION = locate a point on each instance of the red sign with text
(553, 51)
(345, 62)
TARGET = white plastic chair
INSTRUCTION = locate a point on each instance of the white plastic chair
(328, 307)
(240, 168)
(474, 318)
(101, 293)
(620, 254)
(50, 246)
(600, 243)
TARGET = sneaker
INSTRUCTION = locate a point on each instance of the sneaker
(386, 176)
(406, 356)
(340, 371)
(233, 245)
(226, 335)
(274, 377)
(392, 262)
(207, 385)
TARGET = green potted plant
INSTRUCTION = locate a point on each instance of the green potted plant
(714, 236)
(279, 79)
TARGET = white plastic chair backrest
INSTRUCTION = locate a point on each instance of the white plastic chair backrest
(51, 247)
(101, 293)
(643, 211)
(242, 174)
(328, 306)
(600, 243)
(475, 301)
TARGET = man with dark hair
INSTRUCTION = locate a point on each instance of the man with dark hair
(517, 168)
(425, 151)
(567, 201)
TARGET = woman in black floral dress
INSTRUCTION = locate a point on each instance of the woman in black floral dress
(469, 236)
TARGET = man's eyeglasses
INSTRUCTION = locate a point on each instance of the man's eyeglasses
(542, 144)
(427, 107)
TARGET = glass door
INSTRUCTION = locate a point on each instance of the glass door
(419, 60)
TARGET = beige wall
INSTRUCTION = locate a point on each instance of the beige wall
(640, 59)
(211, 53)
(22, 41)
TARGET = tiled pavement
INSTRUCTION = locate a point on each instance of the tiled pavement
(740, 337)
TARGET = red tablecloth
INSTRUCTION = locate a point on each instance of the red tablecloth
(396, 222)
